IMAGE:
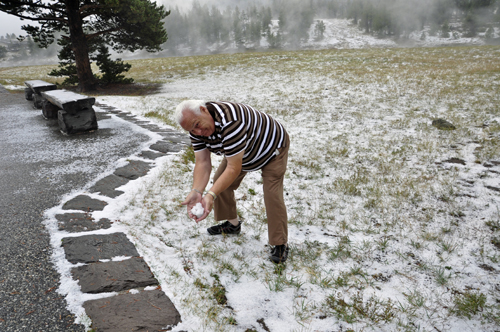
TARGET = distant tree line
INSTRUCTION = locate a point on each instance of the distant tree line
(291, 23)
(210, 28)
(398, 18)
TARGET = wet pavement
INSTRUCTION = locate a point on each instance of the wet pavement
(38, 167)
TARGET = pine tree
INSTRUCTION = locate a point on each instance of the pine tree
(445, 30)
(282, 20)
(237, 29)
(111, 69)
(295, 20)
(470, 10)
(178, 30)
(367, 18)
(470, 25)
(275, 41)
(32, 47)
(355, 10)
(66, 67)
(123, 24)
(319, 30)
(267, 17)
(489, 34)
(434, 29)
(381, 23)
(3, 52)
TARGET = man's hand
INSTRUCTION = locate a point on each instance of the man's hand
(191, 200)
(208, 204)
(201, 175)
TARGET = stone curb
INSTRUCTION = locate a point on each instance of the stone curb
(154, 307)
(93, 248)
(134, 308)
(114, 276)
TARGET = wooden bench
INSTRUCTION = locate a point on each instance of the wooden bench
(73, 111)
(34, 90)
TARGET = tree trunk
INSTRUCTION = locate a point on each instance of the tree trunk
(86, 80)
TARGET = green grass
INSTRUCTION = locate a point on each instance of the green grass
(469, 304)
(356, 308)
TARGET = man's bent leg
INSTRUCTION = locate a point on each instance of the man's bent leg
(277, 219)
(225, 204)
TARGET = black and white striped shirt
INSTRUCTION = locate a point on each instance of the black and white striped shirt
(239, 127)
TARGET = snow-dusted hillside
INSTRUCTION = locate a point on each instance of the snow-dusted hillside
(343, 34)
(339, 34)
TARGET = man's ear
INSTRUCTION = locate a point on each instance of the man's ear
(203, 109)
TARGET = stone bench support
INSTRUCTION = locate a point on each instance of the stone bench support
(34, 90)
(74, 111)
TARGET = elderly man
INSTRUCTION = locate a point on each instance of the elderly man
(249, 140)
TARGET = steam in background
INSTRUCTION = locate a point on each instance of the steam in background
(292, 24)
(185, 5)
(223, 26)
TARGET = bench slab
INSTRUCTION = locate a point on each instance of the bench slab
(69, 101)
(38, 86)
(35, 88)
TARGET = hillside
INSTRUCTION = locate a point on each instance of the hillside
(339, 34)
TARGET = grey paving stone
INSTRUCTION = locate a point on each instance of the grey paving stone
(84, 203)
(155, 128)
(80, 222)
(140, 122)
(145, 311)
(166, 147)
(104, 116)
(133, 170)
(126, 116)
(106, 186)
(151, 154)
(165, 132)
(92, 248)
(177, 138)
(114, 276)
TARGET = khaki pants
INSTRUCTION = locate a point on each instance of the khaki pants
(273, 174)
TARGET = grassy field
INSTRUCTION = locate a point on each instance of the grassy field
(394, 223)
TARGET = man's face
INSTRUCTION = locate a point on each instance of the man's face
(199, 125)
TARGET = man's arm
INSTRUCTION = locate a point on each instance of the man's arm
(233, 169)
(202, 169)
(201, 176)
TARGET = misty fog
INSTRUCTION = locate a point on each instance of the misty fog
(224, 26)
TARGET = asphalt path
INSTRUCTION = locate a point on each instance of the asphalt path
(38, 166)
